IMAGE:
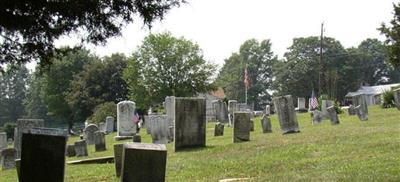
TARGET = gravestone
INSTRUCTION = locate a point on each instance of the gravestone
(118, 158)
(143, 162)
(23, 125)
(125, 113)
(159, 128)
(287, 116)
(99, 141)
(316, 117)
(109, 124)
(396, 94)
(8, 157)
(221, 111)
(148, 130)
(251, 125)
(219, 129)
(232, 107)
(301, 105)
(333, 115)
(362, 101)
(102, 126)
(324, 105)
(81, 148)
(3, 140)
(43, 154)
(361, 114)
(170, 111)
(266, 124)
(137, 138)
(89, 133)
(190, 122)
(267, 110)
(352, 110)
(71, 151)
(242, 107)
(241, 127)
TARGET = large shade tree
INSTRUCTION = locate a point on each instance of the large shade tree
(167, 66)
(29, 28)
(392, 33)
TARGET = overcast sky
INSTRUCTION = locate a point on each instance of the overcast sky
(221, 26)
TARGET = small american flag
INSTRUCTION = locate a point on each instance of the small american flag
(246, 79)
(313, 101)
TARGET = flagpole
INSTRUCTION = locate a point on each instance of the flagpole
(245, 91)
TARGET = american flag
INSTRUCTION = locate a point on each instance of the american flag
(313, 101)
(246, 79)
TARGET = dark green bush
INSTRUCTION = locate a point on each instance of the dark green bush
(388, 99)
(102, 111)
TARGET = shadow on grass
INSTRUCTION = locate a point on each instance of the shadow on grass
(193, 149)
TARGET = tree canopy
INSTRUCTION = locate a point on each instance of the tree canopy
(392, 33)
(29, 28)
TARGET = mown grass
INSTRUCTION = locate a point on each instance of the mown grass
(351, 151)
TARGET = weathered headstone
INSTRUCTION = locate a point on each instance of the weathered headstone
(352, 110)
(266, 124)
(71, 151)
(3, 140)
(241, 127)
(43, 154)
(219, 129)
(361, 114)
(362, 101)
(232, 107)
(396, 94)
(190, 123)
(170, 111)
(118, 158)
(287, 116)
(147, 121)
(102, 126)
(99, 141)
(333, 115)
(301, 105)
(24, 125)
(143, 162)
(267, 110)
(221, 111)
(8, 158)
(137, 138)
(81, 148)
(324, 105)
(159, 128)
(89, 133)
(125, 114)
(251, 125)
(109, 124)
(243, 107)
(316, 116)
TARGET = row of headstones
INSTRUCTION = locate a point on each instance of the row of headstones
(224, 112)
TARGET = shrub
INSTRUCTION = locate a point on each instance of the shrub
(388, 99)
(101, 111)
(9, 129)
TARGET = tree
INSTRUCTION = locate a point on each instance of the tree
(35, 106)
(167, 66)
(259, 59)
(392, 34)
(29, 28)
(56, 82)
(100, 81)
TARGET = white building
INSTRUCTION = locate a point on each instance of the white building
(373, 93)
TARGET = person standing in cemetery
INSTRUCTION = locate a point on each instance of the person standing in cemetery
(136, 119)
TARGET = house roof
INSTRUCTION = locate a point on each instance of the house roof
(372, 90)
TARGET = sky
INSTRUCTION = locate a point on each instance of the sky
(221, 26)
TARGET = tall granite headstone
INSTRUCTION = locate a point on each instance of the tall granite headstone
(301, 105)
(333, 115)
(360, 103)
(396, 94)
(286, 115)
(3, 140)
(43, 155)
(232, 107)
(241, 127)
(143, 162)
(324, 105)
(266, 124)
(159, 128)
(190, 123)
(81, 148)
(23, 125)
(118, 158)
(8, 158)
(125, 113)
(109, 124)
(221, 111)
(89, 133)
(219, 129)
(99, 141)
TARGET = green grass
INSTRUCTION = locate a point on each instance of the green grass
(351, 151)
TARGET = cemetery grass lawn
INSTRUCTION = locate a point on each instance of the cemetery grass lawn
(350, 151)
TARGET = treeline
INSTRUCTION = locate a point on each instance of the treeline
(78, 85)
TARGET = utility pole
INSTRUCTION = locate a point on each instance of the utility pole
(320, 75)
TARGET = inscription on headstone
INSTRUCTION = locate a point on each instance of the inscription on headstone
(287, 117)
(43, 154)
(125, 113)
(143, 162)
(241, 127)
(190, 123)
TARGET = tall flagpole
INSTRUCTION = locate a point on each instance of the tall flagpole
(245, 90)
